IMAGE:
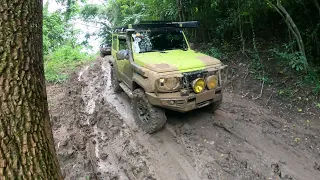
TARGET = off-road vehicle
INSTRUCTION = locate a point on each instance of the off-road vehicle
(105, 49)
(152, 62)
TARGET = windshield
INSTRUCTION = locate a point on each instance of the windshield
(158, 40)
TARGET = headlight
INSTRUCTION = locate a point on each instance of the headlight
(172, 83)
(198, 85)
(212, 82)
(169, 84)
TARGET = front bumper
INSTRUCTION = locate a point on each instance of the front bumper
(176, 102)
(105, 51)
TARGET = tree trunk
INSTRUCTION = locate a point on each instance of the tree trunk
(317, 6)
(241, 30)
(292, 27)
(179, 9)
(26, 142)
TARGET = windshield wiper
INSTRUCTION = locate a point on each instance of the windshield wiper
(184, 49)
(149, 51)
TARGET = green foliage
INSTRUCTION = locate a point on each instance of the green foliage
(288, 92)
(99, 15)
(126, 11)
(316, 90)
(72, 8)
(313, 78)
(53, 30)
(62, 51)
(295, 60)
(214, 52)
(62, 61)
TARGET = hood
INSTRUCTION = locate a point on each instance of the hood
(174, 60)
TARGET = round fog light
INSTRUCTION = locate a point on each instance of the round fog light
(198, 85)
(212, 82)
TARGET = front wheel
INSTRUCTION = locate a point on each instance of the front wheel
(148, 117)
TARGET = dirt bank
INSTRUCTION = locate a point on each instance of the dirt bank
(96, 137)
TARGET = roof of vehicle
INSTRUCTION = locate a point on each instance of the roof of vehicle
(157, 25)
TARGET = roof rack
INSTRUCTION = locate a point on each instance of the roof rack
(157, 24)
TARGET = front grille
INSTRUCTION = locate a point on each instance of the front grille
(188, 77)
(202, 104)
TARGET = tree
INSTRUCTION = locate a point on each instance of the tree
(54, 30)
(292, 26)
(26, 142)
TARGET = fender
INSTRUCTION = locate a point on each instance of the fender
(143, 82)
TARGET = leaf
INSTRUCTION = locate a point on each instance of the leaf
(281, 92)
(245, 14)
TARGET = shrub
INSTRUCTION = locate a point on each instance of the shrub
(214, 52)
(62, 61)
(296, 60)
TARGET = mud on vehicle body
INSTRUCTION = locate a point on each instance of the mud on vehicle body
(153, 63)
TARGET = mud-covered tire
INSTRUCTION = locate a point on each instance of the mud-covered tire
(148, 117)
(214, 106)
(115, 84)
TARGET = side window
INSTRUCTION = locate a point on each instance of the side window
(122, 44)
(114, 42)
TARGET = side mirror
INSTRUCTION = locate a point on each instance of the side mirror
(123, 55)
(191, 46)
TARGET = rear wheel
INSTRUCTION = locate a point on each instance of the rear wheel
(115, 84)
(148, 117)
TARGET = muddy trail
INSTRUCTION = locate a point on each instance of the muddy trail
(96, 137)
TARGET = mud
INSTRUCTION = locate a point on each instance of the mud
(96, 137)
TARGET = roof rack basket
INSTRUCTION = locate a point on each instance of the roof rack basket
(157, 24)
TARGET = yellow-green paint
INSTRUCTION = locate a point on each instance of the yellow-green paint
(184, 61)
(185, 38)
(120, 64)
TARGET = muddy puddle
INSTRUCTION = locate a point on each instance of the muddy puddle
(96, 138)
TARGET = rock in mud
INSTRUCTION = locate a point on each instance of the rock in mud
(317, 166)
(186, 129)
(66, 154)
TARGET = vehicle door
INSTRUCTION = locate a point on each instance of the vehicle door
(114, 48)
(124, 66)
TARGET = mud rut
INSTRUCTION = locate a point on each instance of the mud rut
(97, 138)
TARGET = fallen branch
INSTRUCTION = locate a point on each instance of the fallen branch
(269, 98)
(244, 81)
(244, 95)
(261, 91)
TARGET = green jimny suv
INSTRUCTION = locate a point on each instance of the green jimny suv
(152, 62)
